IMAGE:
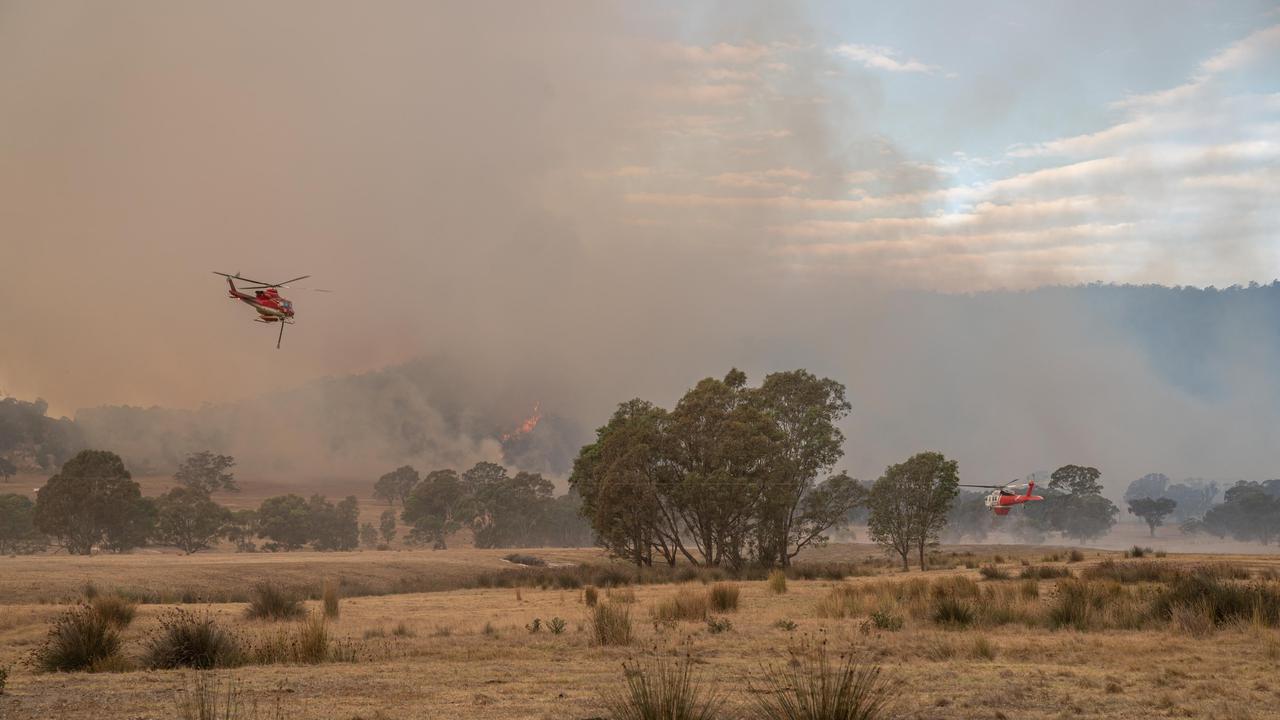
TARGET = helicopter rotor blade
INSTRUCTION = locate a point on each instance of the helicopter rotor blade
(286, 282)
(243, 279)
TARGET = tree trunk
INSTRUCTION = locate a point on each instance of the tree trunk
(906, 554)
(922, 567)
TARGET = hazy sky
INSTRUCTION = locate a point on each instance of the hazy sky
(625, 197)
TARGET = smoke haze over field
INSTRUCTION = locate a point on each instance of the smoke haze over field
(578, 203)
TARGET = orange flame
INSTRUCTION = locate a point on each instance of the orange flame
(527, 426)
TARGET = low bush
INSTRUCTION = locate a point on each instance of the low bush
(526, 560)
(185, 639)
(777, 582)
(785, 624)
(723, 597)
(812, 686)
(611, 624)
(556, 625)
(1075, 556)
(664, 690)
(77, 640)
(271, 602)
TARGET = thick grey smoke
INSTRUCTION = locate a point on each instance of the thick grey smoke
(467, 176)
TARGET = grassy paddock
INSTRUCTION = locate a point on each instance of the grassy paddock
(470, 653)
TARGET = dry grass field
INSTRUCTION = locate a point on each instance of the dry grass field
(470, 653)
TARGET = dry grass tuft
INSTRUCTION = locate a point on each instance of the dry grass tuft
(813, 686)
(590, 596)
(664, 690)
(611, 624)
(686, 604)
(185, 639)
(271, 602)
(777, 582)
(78, 639)
(723, 597)
(115, 609)
(330, 596)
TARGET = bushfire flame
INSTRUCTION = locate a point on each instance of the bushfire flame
(527, 426)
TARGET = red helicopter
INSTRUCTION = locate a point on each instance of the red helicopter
(266, 299)
(1001, 499)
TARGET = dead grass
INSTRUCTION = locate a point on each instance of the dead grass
(515, 674)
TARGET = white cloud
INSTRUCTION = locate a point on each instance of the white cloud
(882, 58)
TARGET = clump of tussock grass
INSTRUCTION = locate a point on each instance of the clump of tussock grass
(1045, 572)
(79, 639)
(982, 649)
(840, 602)
(621, 595)
(329, 594)
(663, 690)
(185, 639)
(1218, 602)
(686, 604)
(1137, 551)
(723, 597)
(115, 609)
(610, 624)
(814, 686)
(993, 572)
(590, 596)
(403, 630)
(1079, 604)
(953, 612)
(556, 625)
(269, 601)
(304, 643)
(206, 697)
(884, 619)
(777, 582)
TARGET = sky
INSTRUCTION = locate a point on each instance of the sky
(581, 202)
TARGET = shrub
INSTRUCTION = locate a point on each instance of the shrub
(1075, 556)
(611, 624)
(785, 624)
(185, 639)
(115, 609)
(77, 639)
(270, 602)
(716, 625)
(590, 596)
(777, 582)
(330, 595)
(991, 572)
(685, 604)
(1137, 552)
(662, 691)
(952, 611)
(723, 597)
(813, 687)
(535, 626)
(556, 625)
